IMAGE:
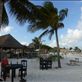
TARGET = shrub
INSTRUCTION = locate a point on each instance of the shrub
(55, 57)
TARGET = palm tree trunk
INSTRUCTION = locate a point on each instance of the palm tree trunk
(58, 50)
(1, 10)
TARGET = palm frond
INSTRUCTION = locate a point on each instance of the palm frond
(63, 13)
(51, 32)
(20, 11)
(29, 13)
(43, 34)
(33, 9)
(50, 7)
(23, 1)
(42, 24)
(66, 11)
(36, 40)
(57, 26)
(35, 26)
(44, 13)
(39, 13)
(60, 25)
(4, 1)
(5, 20)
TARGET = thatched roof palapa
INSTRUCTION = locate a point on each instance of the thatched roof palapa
(8, 41)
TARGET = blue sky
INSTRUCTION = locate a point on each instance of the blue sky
(70, 35)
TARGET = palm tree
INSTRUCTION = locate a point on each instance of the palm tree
(49, 20)
(37, 42)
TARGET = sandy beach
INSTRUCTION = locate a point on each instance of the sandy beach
(67, 73)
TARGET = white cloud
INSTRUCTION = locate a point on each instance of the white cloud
(5, 30)
(81, 9)
(25, 43)
(73, 36)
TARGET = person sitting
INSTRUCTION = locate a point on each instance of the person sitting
(4, 68)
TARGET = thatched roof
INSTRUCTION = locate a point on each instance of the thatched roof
(8, 41)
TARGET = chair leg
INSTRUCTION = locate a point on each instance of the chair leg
(1, 73)
(19, 73)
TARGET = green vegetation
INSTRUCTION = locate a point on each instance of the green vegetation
(77, 49)
(43, 46)
(36, 42)
(55, 58)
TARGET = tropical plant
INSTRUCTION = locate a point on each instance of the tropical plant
(49, 20)
(43, 46)
(77, 49)
(70, 48)
(36, 42)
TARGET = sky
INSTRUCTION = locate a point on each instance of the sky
(69, 36)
